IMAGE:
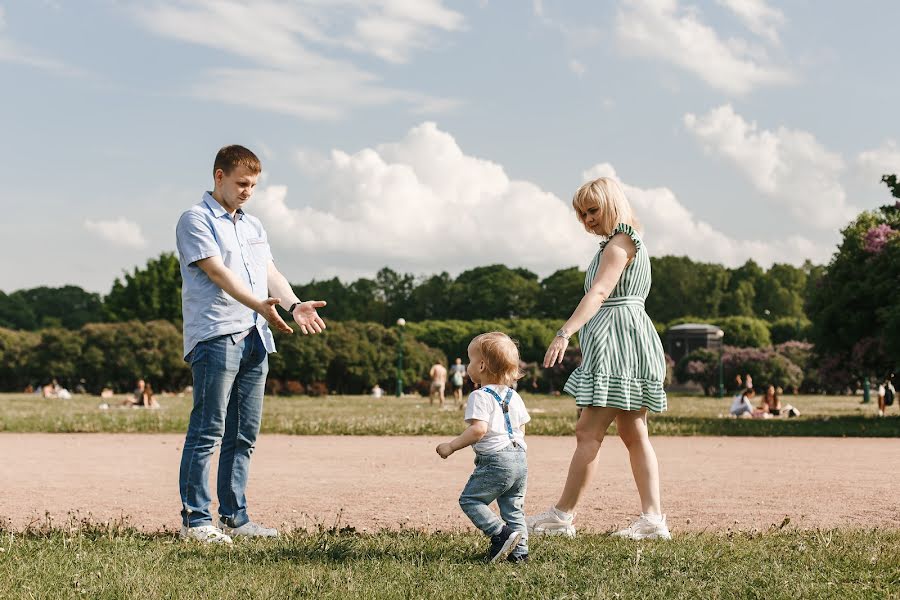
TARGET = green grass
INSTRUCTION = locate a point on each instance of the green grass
(362, 415)
(120, 563)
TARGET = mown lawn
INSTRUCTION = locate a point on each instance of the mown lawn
(120, 563)
(362, 415)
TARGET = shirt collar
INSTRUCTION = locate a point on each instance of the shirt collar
(217, 209)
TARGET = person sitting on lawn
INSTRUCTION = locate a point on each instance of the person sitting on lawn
(742, 406)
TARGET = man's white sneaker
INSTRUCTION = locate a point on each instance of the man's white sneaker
(208, 534)
(647, 527)
(248, 529)
(550, 522)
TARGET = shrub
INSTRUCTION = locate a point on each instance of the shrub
(765, 365)
(789, 328)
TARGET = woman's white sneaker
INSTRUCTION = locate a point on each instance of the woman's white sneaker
(551, 522)
(647, 527)
(208, 534)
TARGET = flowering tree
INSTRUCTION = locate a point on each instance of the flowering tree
(855, 307)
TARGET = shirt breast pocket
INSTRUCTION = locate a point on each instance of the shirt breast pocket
(259, 250)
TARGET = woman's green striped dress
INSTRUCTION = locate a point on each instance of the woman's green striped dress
(623, 364)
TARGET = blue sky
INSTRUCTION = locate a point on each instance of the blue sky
(429, 135)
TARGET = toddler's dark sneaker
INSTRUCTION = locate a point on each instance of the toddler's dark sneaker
(513, 558)
(503, 543)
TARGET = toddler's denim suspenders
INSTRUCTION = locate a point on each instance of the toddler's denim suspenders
(504, 406)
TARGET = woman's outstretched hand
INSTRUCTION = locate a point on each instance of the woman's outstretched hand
(555, 352)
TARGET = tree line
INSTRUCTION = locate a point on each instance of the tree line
(849, 310)
(681, 288)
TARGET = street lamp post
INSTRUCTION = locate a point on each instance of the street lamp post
(721, 335)
(401, 323)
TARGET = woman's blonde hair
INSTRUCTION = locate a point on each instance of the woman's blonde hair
(500, 355)
(607, 194)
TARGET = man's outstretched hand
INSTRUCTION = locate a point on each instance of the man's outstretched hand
(267, 308)
(307, 318)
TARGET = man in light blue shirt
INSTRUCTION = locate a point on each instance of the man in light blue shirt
(230, 289)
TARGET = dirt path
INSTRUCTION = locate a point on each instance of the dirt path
(387, 482)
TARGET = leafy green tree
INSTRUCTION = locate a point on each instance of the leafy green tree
(118, 354)
(780, 292)
(428, 300)
(395, 291)
(745, 332)
(56, 356)
(855, 306)
(683, 287)
(494, 292)
(743, 284)
(560, 293)
(16, 313)
(452, 337)
(147, 294)
(351, 357)
(68, 307)
(16, 349)
(787, 329)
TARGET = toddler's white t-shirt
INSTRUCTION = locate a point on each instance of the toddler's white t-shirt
(484, 407)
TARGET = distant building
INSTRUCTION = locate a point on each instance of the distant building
(681, 340)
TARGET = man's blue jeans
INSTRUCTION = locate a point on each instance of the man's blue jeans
(229, 382)
(500, 476)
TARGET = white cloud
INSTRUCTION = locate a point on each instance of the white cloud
(119, 232)
(884, 160)
(289, 44)
(789, 166)
(670, 228)
(661, 29)
(758, 16)
(421, 204)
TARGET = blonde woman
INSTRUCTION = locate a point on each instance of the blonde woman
(623, 366)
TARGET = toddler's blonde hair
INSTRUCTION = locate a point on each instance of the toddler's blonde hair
(500, 355)
(607, 194)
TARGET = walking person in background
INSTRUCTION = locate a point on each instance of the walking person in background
(457, 379)
(623, 367)
(438, 374)
(230, 290)
(886, 393)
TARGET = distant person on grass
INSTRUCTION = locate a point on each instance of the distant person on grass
(137, 396)
(229, 295)
(886, 393)
(742, 404)
(457, 379)
(438, 375)
(496, 416)
(623, 366)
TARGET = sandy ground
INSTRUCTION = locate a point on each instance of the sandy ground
(708, 483)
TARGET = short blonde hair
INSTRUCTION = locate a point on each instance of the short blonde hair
(500, 354)
(607, 194)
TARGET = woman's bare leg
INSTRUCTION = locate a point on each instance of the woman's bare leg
(589, 433)
(632, 428)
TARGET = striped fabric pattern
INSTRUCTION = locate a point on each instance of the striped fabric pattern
(623, 364)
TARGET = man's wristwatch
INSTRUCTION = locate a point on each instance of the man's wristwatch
(294, 305)
(562, 333)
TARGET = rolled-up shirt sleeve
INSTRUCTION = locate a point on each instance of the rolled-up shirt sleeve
(195, 238)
